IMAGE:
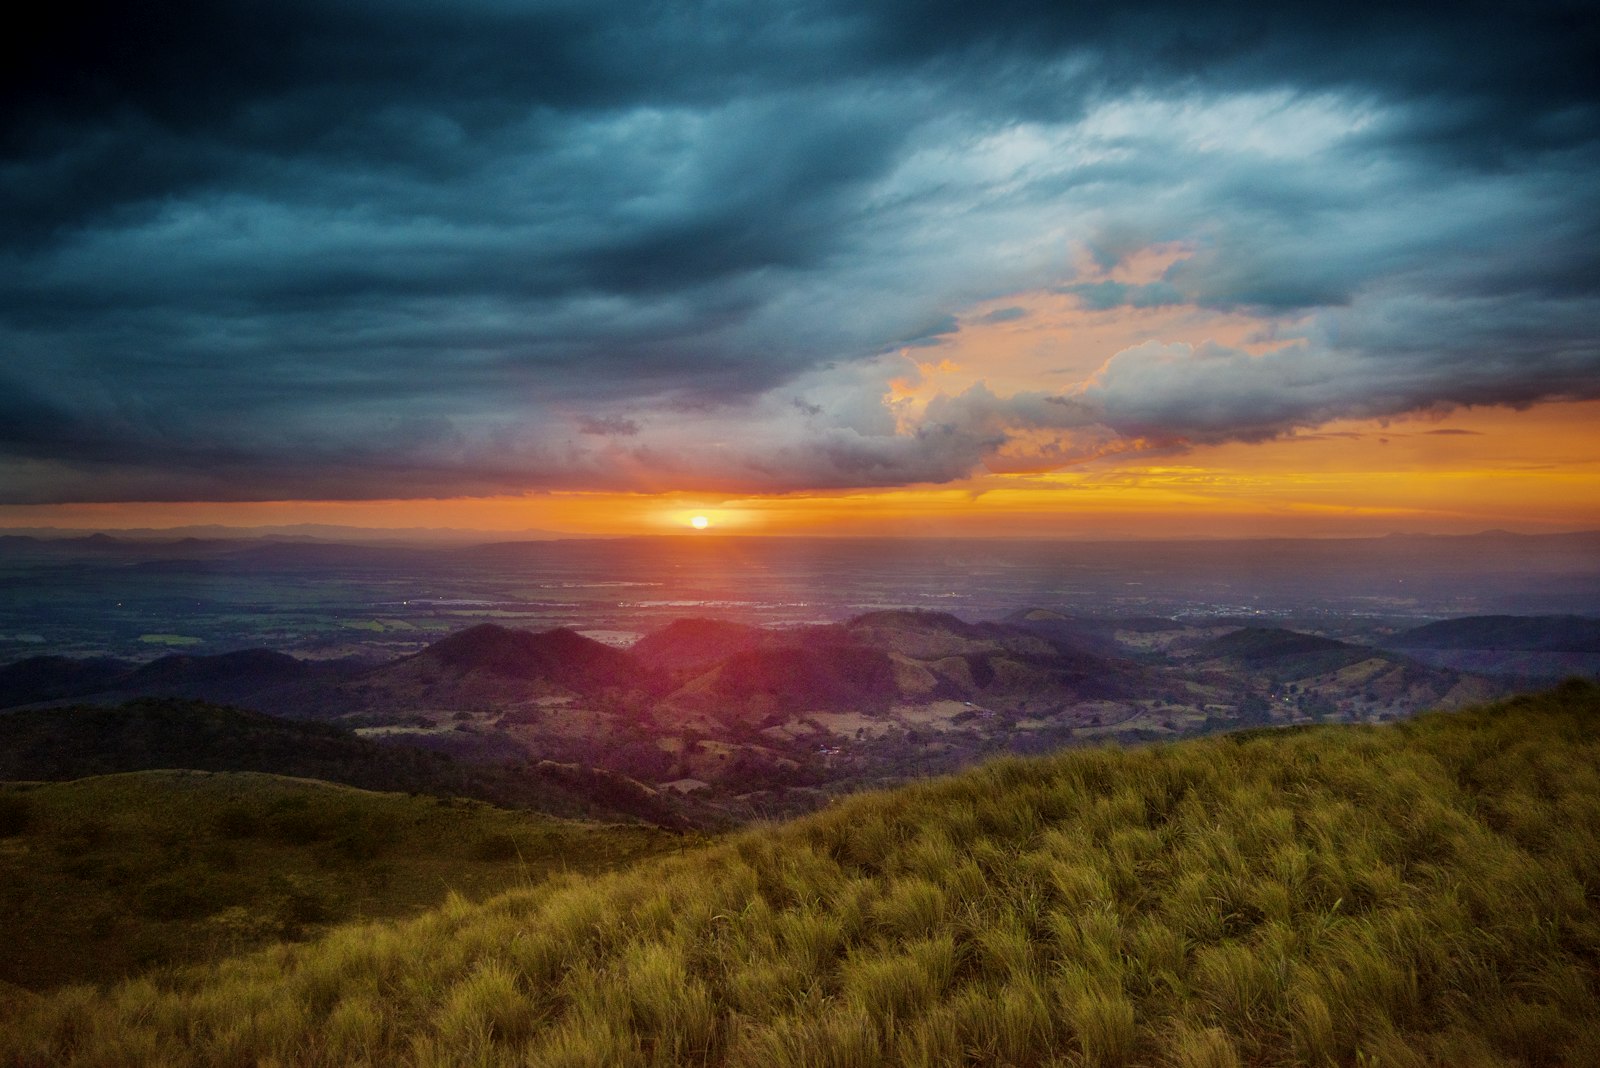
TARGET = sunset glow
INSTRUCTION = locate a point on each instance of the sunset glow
(1533, 471)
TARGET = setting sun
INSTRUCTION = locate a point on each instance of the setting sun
(699, 522)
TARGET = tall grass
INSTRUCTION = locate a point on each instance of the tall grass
(1419, 894)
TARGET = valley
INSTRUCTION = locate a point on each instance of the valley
(707, 721)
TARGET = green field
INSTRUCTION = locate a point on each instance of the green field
(1426, 893)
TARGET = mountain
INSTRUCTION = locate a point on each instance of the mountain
(997, 662)
(1097, 636)
(1545, 634)
(48, 678)
(559, 657)
(686, 644)
(1520, 647)
(774, 720)
(249, 676)
(1320, 675)
(1416, 895)
(225, 677)
(884, 660)
(483, 663)
(1284, 651)
(935, 635)
(492, 667)
(760, 684)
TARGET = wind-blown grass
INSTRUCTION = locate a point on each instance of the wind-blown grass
(1425, 893)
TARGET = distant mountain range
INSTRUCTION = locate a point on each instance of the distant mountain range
(726, 669)
(755, 712)
(871, 661)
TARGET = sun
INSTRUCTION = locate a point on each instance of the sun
(699, 522)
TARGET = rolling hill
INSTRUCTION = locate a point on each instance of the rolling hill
(1422, 893)
(1323, 670)
(687, 645)
(51, 678)
(559, 657)
(1285, 649)
(152, 733)
(258, 677)
(484, 667)
(1521, 647)
(1544, 634)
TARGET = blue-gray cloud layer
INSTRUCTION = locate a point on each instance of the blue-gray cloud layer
(386, 248)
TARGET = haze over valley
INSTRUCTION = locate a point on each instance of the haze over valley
(760, 677)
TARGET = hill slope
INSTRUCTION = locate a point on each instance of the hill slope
(1421, 893)
(1545, 634)
(686, 644)
(106, 876)
(71, 743)
(1521, 647)
(485, 663)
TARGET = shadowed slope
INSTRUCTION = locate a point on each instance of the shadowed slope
(1525, 648)
(1543, 634)
(47, 678)
(113, 874)
(486, 661)
(1258, 646)
(561, 657)
(70, 743)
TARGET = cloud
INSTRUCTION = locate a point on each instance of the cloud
(388, 249)
(932, 334)
(1106, 294)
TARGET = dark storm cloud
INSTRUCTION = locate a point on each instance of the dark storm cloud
(385, 248)
(932, 334)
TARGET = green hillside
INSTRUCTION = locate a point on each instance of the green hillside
(107, 876)
(1426, 893)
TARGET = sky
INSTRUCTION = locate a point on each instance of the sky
(1015, 268)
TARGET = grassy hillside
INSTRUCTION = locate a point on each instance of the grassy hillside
(1413, 894)
(106, 876)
